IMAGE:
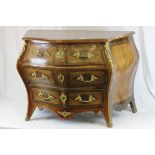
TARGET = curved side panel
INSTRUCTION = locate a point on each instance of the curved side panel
(31, 107)
(125, 58)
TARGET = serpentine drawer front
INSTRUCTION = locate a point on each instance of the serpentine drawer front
(45, 96)
(65, 78)
(67, 98)
(38, 75)
(79, 54)
(70, 72)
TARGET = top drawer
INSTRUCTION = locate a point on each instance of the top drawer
(65, 55)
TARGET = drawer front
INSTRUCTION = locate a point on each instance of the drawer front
(69, 55)
(66, 77)
(38, 75)
(45, 96)
(69, 98)
(85, 54)
(41, 54)
(87, 98)
(81, 78)
(88, 78)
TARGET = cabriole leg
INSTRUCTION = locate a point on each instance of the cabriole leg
(30, 110)
(133, 106)
(108, 118)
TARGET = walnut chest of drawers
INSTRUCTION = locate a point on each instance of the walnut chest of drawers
(70, 72)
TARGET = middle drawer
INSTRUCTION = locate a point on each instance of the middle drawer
(66, 77)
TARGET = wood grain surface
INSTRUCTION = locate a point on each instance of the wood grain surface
(76, 71)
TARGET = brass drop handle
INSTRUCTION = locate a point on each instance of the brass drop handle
(39, 76)
(83, 54)
(49, 97)
(82, 79)
(90, 99)
(36, 52)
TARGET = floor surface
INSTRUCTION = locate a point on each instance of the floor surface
(12, 115)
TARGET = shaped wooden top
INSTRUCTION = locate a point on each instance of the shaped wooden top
(59, 36)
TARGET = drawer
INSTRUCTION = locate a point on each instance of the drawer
(67, 54)
(38, 75)
(85, 54)
(69, 98)
(81, 78)
(88, 78)
(41, 54)
(71, 78)
(45, 96)
(87, 98)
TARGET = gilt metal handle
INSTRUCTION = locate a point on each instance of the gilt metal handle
(39, 76)
(90, 99)
(36, 52)
(92, 78)
(48, 97)
(83, 54)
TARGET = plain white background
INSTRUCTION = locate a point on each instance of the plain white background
(69, 12)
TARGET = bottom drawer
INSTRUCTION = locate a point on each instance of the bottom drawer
(69, 98)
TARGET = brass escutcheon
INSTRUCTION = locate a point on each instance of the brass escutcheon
(63, 98)
(59, 54)
(61, 78)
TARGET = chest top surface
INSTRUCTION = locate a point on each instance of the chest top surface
(75, 35)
